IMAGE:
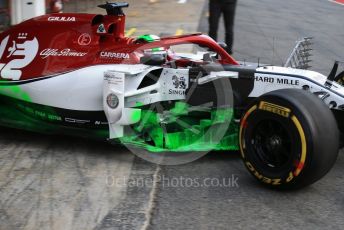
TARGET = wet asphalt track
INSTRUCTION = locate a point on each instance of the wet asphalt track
(67, 183)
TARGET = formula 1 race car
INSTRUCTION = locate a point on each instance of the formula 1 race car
(77, 74)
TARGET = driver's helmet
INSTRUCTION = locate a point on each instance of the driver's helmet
(148, 38)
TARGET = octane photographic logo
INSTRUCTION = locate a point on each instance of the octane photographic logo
(19, 54)
(176, 121)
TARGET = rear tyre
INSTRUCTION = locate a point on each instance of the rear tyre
(288, 139)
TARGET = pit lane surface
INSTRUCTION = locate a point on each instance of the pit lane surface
(69, 183)
(268, 30)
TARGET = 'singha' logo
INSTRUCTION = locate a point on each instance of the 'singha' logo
(179, 82)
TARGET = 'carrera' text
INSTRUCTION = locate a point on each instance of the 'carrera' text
(114, 55)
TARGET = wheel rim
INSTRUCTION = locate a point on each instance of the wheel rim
(272, 144)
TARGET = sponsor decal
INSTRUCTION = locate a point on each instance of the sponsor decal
(61, 19)
(40, 114)
(179, 84)
(60, 53)
(114, 79)
(112, 101)
(77, 121)
(101, 123)
(281, 81)
(101, 29)
(263, 178)
(21, 53)
(176, 92)
(114, 55)
(279, 110)
(84, 39)
(284, 81)
(265, 79)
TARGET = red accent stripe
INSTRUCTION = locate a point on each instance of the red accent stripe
(339, 1)
(299, 166)
(244, 123)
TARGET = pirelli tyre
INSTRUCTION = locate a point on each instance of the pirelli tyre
(289, 139)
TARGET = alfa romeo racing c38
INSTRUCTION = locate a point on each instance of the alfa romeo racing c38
(78, 74)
